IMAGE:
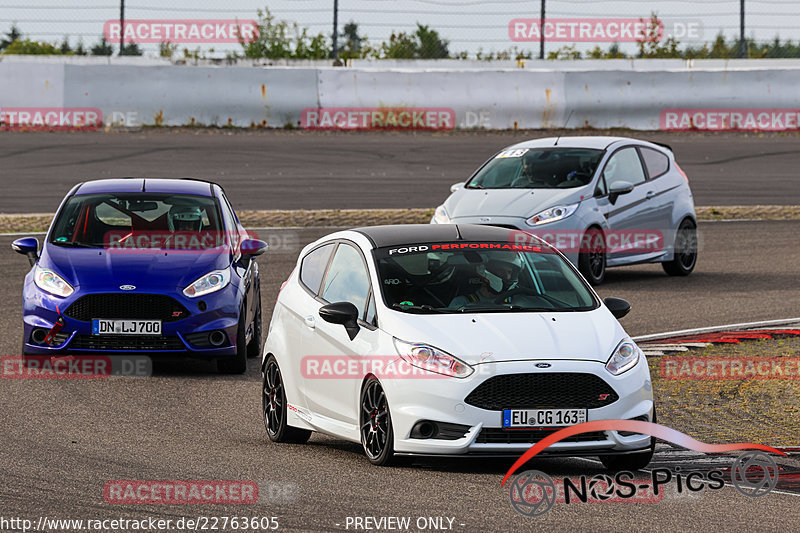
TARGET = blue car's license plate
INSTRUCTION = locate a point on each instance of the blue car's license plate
(102, 326)
(536, 418)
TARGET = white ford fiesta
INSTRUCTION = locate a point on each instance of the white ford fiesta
(450, 340)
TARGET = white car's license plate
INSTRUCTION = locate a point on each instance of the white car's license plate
(102, 326)
(536, 418)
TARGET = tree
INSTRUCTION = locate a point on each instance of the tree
(280, 39)
(102, 48)
(431, 46)
(80, 50)
(65, 48)
(13, 35)
(400, 46)
(167, 49)
(131, 49)
(29, 47)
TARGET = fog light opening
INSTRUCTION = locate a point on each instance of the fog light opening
(217, 338)
(38, 335)
(424, 430)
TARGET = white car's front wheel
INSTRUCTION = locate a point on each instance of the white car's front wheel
(377, 436)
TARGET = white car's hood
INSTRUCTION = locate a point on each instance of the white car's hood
(508, 202)
(512, 336)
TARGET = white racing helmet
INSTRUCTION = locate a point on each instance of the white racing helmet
(185, 218)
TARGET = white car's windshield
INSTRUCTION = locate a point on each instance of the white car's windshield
(538, 168)
(479, 277)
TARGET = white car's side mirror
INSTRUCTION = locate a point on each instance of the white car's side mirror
(456, 186)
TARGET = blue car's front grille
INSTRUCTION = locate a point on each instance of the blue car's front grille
(125, 342)
(134, 306)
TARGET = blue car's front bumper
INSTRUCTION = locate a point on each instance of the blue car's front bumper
(218, 311)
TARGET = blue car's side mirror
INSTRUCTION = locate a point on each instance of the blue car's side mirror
(253, 247)
(28, 246)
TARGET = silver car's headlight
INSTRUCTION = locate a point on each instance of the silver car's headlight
(211, 282)
(552, 214)
(432, 359)
(49, 281)
(440, 215)
(625, 357)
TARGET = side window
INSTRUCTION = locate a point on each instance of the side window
(601, 189)
(369, 316)
(312, 268)
(624, 165)
(347, 279)
(656, 162)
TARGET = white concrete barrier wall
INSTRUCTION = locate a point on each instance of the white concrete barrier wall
(169, 95)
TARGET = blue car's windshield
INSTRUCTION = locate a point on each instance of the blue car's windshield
(538, 168)
(479, 277)
(139, 220)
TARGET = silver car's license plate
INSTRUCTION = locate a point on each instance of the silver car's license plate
(536, 418)
(101, 326)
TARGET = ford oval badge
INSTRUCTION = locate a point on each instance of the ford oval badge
(543, 365)
(127, 287)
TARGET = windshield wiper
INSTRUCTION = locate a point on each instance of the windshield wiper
(76, 244)
(499, 307)
(420, 308)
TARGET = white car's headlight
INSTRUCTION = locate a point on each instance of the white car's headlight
(49, 281)
(440, 215)
(211, 282)
(551, 215)
(432, 359)
(625, 357)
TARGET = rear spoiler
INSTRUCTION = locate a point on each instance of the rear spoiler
(662, 145)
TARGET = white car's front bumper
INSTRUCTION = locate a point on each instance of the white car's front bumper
(442, 400)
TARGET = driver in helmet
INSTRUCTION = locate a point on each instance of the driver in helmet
(185, 218)
(496, 277)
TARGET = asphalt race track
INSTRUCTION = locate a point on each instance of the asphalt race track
(64, 439)
(294, 170)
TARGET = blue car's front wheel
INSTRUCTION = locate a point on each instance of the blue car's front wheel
(236, 363)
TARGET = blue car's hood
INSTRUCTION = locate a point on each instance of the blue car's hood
(102, 269)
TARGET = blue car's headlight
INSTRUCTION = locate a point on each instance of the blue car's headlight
(49, 281)
(625, 357)
(211, 282)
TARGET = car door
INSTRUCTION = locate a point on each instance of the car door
(664, 192)
(246, 268)
(333, 397)
(631, 215)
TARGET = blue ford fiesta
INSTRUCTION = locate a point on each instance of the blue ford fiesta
(147, 266)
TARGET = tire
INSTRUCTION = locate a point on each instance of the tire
(592, 262)
(375, 424)
(273, 407)
(236, 363)
(254, 347)
(685, 249)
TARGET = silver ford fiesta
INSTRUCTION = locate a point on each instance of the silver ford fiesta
(603, 201)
